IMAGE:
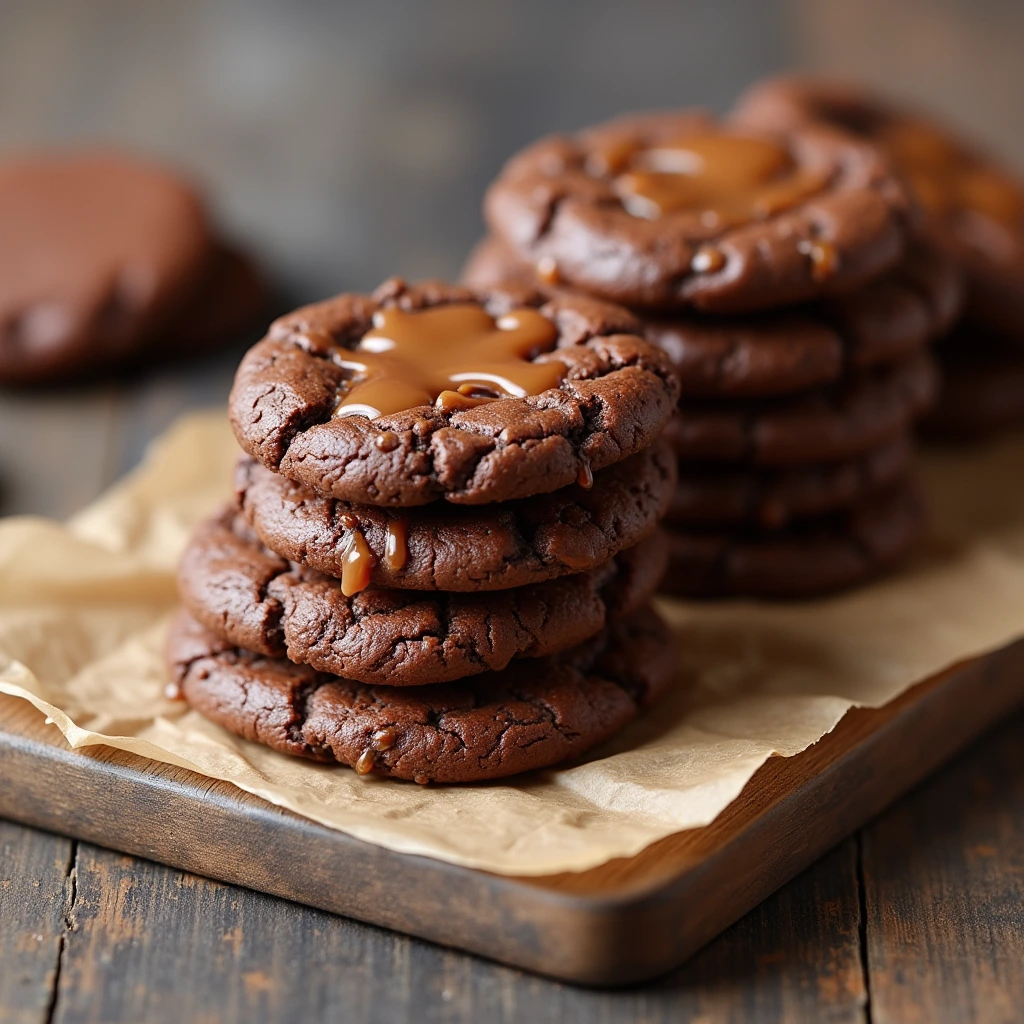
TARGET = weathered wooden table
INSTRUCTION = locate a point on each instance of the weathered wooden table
(351, 141)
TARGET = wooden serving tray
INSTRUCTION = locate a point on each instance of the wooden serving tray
(625, 921)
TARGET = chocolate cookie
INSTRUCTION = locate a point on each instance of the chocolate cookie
(833, 554)
(674, 210)
(826, 425)
(442, 547)
(974, 205)
(529, 716)
(982, 387)
(97, 251)
(771, 498)
(233, 585)
(785, 351)
(420, 393)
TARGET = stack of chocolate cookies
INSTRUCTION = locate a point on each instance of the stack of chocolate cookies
(444, 539)
(779, 271)
(107, 260)
(973, 210)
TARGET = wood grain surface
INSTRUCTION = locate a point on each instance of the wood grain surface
(625, 921)
(352, 141)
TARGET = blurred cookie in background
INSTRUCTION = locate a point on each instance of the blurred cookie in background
(973, 209)
(106, 259)
(973, 205)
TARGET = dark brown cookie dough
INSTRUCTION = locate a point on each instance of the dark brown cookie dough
(785, 351)
(97, 251)
(532, 715)
(974, 206)
(813, 558)
(676, 211)
(982, 387)
(616, 393)
(233, 585)
(457, 548)
(826, 425)
(771, 498)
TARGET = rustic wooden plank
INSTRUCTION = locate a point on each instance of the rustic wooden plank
(35, 894)
(944, 892)
(151, 943)
(624, 921)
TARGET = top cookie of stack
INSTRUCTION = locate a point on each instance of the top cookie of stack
(775, 268)
(439, 483)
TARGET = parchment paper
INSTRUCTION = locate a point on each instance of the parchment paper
(84, 605)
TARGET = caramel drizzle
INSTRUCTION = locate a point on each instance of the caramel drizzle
(396, 547)
(724, 178)
(456, 356)
(357, 564)
(365, 761)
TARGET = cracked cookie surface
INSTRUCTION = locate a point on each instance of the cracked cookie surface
(233, 585)
(493, 547)
(531, 715)
(614, 397)
(561, 205)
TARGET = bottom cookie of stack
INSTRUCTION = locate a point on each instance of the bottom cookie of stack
(531, 715)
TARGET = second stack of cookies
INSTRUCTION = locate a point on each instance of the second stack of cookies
(444, 538)
(776, 271)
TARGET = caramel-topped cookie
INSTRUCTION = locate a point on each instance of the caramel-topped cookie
(825, 425)
(96, 251)
(784, 351)
(676, 210)
(444, 547)
(771, 498)
(973, 205)
(258, 600)
(425, 392)
(531, 715)
(811, 558)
